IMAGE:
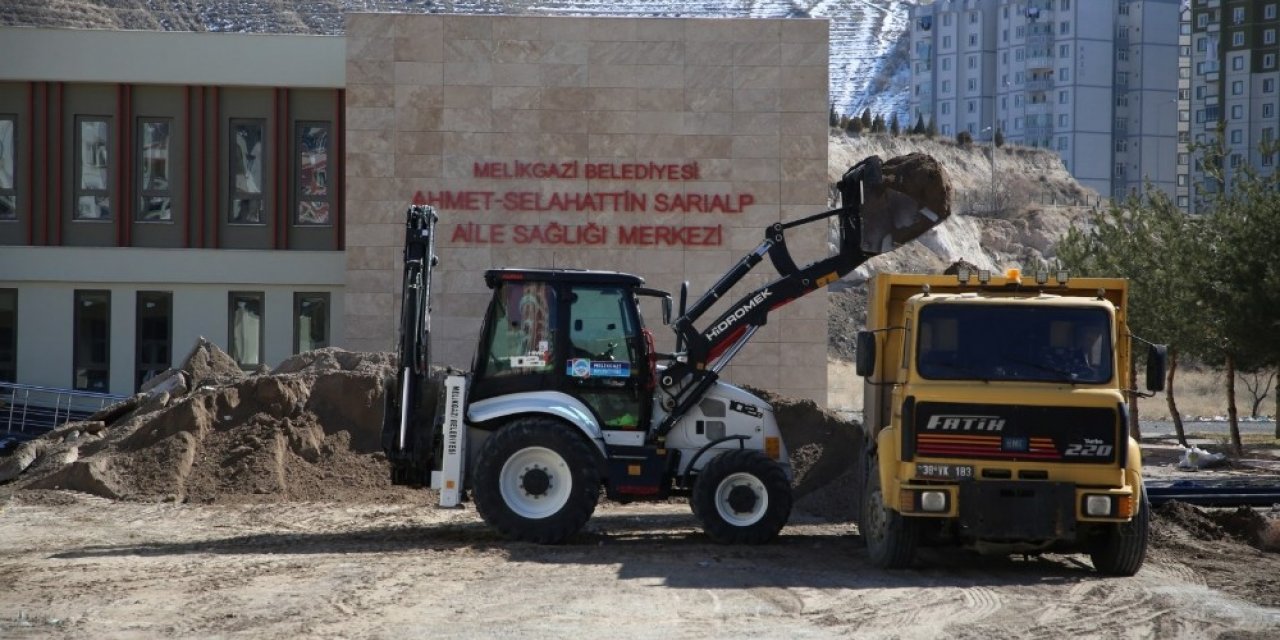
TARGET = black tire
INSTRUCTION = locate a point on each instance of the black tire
(545, 454)
(891, 539)
(1122, 548)
(742, 497)
(859, 471)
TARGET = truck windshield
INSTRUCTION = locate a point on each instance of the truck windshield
(1014, 342)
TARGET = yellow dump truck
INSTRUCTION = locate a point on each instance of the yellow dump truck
(996, 418)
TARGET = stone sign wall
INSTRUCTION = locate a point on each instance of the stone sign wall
(657, 146)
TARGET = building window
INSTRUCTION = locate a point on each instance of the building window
(1269, 36)
(946, 42)
(8, 188)
(1062, 120)
(1237, 88)
(973, 39)
(247, 156)
(946, 19)
(1237, 15)
(1237, 63)
(1123, 8)
(1237, 39)
(1237, 112)
(154, 345)
(1064, 74)
(1062, 143)
(1184, 50)
(1236, 160)
(1017, 54)
(1184, 94)
(973, 84)
(1237, 136)
(1268, 61)
(1184, 201)
(1119, 170)
(946, 64)
(946, 108)
(1184, 115)
(312, 181)
(1268, 109)
(1066, 5)
(246, 329)
(973, 17)
(973, 62)
(1202, 45)
(1122, 54)
(1122, 146)
(1122, 78)
(946, 86)
(1064, 27)
(1064, 51)
(1182, 159)
(1268, 85)
(969, 105)
(310, 321)
(155, 198)
(93, 196)
(8, 335)
(1182, 179)
(1062, 97)
(92, 341)
(1269, 12)
(1202, 20)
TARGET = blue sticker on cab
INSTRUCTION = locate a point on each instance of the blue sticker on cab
(611, 369)
(580, 368)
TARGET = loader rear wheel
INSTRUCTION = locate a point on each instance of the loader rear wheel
(742, 497)
(536, 481)
(891, 538)
(1122, 548)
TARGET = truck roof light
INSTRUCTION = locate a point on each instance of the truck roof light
(1042, 277)
(1014, 275)
(1062, 276)
(984, 276)
(963, 275)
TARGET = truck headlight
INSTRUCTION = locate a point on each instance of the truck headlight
(934, 501)
(1097, 506)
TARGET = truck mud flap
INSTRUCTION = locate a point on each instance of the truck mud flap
(1016, 510)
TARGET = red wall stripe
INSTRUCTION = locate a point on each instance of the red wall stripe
(31, 165)
(58, 164)
(203, 172)
(217, 165)
(187, 209)
(337, 169)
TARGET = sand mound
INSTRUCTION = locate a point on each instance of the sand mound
(1180, 525)
(823, 447)
(309, 431)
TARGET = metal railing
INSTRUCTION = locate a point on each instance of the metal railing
(32, 410)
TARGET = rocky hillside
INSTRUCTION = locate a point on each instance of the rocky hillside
(1037, 201)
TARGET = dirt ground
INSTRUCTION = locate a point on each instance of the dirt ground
(77, 566)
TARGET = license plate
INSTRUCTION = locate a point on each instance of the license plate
(944, 471)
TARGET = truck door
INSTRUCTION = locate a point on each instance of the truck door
(606, 363)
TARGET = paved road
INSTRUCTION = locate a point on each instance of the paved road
(1162, 427)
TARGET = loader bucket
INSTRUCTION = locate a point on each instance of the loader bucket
(914, 196)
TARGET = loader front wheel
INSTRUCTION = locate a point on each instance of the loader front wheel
(742, 497)
(536, 480)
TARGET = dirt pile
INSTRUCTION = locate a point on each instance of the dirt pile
(307, 431)
(1179, 525)
(822, 446)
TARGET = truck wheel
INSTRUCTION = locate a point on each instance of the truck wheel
(1121, 550)
(891, 539)
(859, 471)
(742, 497)
(536, 481)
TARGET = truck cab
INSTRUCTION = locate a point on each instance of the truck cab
(995, 418)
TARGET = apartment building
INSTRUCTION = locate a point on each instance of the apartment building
(1233, 81)
(1094, 80)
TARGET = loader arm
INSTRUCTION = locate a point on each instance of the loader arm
(898, 218)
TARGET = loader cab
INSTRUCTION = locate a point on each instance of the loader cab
(573, 331)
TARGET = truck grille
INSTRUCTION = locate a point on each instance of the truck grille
(1009, 432)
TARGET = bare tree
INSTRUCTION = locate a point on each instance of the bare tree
(1258, 384)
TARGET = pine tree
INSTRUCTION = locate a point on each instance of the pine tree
(964, 138)
(999, 138)
(855, 126)
(866, 118)
(832, 118)
(919, 128)
(877, 125)
(894, 128)
(931, 130)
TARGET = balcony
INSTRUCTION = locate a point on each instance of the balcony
(1040, 62)
(1039, 109)
(1039, 84)
(1037, 132)
(1040, 41)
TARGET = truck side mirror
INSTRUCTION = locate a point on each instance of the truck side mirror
(666, 310)
(865, 358)
(1157, 356)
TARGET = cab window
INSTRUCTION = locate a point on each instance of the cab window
(522, 330)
